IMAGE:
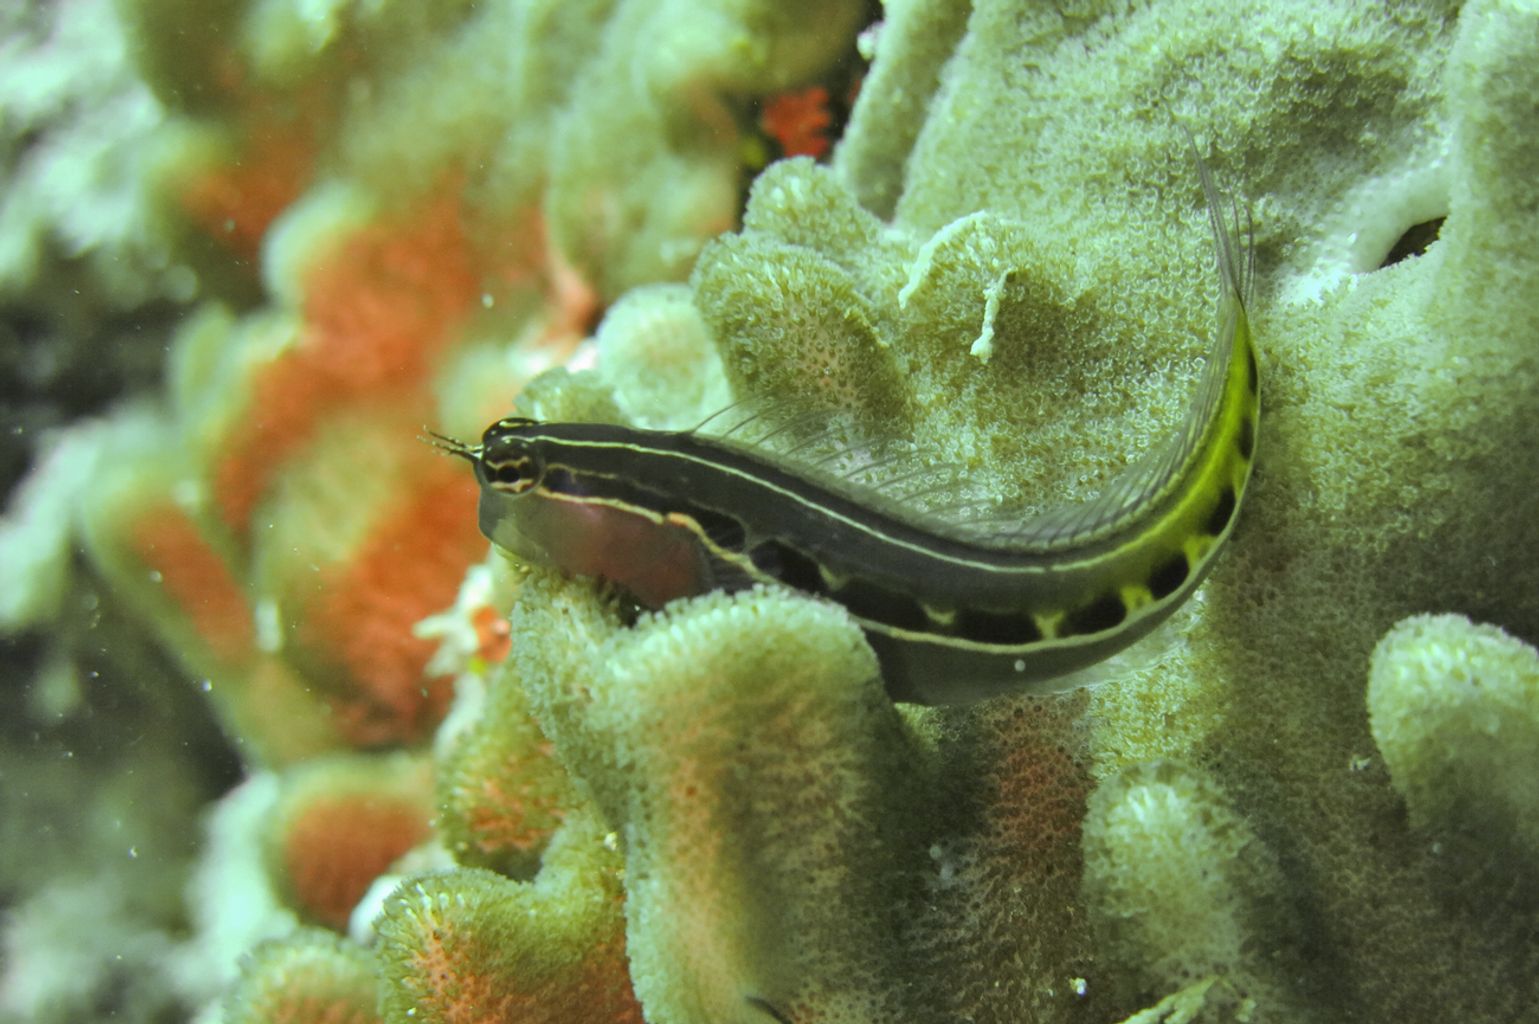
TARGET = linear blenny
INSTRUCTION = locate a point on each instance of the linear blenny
(954, 615)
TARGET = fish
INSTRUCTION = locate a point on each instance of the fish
(955, 613)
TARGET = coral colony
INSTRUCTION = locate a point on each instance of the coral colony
(293, 747)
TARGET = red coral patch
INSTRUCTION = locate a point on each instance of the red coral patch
(195, 578)
(335, 846)
(799, 121)
(407, 568)
(237, 201)
(379, 308)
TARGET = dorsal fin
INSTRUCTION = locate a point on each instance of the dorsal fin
(1151, 478)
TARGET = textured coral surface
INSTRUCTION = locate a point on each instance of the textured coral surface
(479, 791)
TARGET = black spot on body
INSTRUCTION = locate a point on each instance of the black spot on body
(986, 627)
(1252, 371)
(725, 531)
(790, 567)
(564, 481)
(1246, 442)
(878, 604)
(1221, 514)
(1099, 615)
(1168, 576)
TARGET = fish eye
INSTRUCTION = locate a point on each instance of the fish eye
(514, 475)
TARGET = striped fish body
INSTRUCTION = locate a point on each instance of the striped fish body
(954, 614)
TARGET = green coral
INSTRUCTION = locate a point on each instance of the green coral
(658, 358)
(1381, 483)
(501, 793)
(472, 945)
(640, 173)
(309, 976)
(1185, 890)
(388, 213)
(73, 156)
(1454, 709)
(724, 880)
(87, 284)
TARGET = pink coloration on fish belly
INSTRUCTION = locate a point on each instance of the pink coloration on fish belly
(655, 562)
